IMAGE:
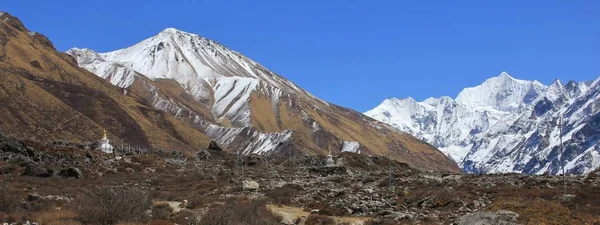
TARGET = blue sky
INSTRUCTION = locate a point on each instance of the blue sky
(353, 53)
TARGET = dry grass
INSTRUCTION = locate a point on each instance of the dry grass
(540, 211)
(240, 212)
(160, 222)
(59, 217)
(315, 219)
(284, 195)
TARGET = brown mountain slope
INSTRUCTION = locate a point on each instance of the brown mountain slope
(337, 124)
(46, 96)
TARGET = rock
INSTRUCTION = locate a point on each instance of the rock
(177, 206)
(502, 217)
(37, 171)
(35, 64)
(89, 155)
(328, 171)
(250, 185)
(214, 146)
(129, 170)
(203, 155)
(15, 146)
(32, 197)
(71, 172)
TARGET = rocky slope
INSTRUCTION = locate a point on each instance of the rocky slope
(179, 91)
(507, 125)
(357, 190)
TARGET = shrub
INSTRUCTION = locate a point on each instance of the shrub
(240, 212)
(199, 201)
(113, 205)
(161, 211)
(186, 217)
(9, 201)
(382, 222)
(315, 219)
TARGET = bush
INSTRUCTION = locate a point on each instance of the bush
(382, 222)
(186, 217)
(113, 205)
(8, 201)
(315, 219)
(161, 211)
(240, 212)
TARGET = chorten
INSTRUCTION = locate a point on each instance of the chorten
(329, 162)
(104, 144)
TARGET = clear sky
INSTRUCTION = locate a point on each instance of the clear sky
(353, 53)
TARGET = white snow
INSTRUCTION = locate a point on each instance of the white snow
(351, 146)
(231, 97)
(247, 141)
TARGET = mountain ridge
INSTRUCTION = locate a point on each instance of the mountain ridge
(247, 108)
(503, 125)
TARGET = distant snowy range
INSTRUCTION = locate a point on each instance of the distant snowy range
(507, 125)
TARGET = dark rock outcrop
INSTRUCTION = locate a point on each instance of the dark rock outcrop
(37, 171)
(71, 172)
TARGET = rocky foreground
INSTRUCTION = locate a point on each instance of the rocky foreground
(66, 183)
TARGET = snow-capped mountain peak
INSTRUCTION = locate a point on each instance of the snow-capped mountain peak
(506, 124)
(209, 71)
(503, 93)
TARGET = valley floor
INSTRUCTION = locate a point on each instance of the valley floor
(64, 183)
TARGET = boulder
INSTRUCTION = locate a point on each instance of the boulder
(214, 146)
(250, 185)
(203, 155)
(502, 217)
(71, 172)
(89, 155)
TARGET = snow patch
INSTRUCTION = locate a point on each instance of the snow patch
(351, 146)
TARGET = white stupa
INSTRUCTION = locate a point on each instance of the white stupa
(104, 144)
(329, 162)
